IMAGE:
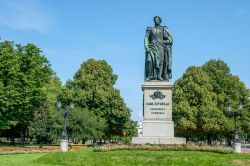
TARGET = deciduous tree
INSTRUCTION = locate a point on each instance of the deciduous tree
(23, 73)
(93, 89)
(200, 98)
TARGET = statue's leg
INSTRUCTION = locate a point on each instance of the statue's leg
(160, 72)
(160, 62)
(169, 63)
(149, 69)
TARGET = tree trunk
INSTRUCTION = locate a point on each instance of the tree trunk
(40, 142)
(22, 137)
(209, 141)
(12, 140)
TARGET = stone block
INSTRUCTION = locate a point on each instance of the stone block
(159, 140)
(158, 129)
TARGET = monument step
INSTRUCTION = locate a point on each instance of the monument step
(159, 140)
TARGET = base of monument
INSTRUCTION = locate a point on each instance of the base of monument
(157, 129)
(64, 145)
(159, 140)
(237, 147)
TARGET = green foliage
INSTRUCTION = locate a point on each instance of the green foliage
(229, 90)
(48, 121)
(84, 125)
(55, 119)
(93, 89)
(29, 91)
(23, 72)
(39, 125)
(55, 125)
(51, 90)
(200, 99)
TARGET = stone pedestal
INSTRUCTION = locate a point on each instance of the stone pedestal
(237, 147)
(157, 126)
(64, 145)
(159, 140)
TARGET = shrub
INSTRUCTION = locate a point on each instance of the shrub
(215, 149)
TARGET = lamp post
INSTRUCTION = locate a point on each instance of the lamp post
(236, 114)
(64, 137)
(245, 138)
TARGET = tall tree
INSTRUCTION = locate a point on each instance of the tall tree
(55, 117)
(9, 68)
(229, 90)
(93, 89)
(47, 122)
(39, 125)
(195, 111)
(200, 98)
(23, 73)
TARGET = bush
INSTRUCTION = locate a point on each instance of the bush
(215, 149)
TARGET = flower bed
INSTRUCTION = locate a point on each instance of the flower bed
(18, 150)
(77, 146)
(215, 149)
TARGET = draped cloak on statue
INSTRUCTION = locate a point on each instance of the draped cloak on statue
(159, 41)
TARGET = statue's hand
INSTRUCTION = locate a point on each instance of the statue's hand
(169, 42)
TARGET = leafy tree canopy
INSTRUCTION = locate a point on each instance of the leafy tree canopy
(200, 98)
(93, 89)
(23, 73)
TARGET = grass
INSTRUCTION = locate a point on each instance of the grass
(21, 159)
(89, 157)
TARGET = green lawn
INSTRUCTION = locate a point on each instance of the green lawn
(88, 157)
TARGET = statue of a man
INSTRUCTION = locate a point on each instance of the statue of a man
(158, 44)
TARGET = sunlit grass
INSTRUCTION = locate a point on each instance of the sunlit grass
(89, 157)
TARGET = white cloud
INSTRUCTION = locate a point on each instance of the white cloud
(25, 15)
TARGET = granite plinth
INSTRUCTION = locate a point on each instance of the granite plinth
(158, 129)
(159, 140)
(157, 125)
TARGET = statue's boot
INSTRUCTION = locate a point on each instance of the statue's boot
(160, 78)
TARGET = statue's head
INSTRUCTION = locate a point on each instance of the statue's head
(157, 19)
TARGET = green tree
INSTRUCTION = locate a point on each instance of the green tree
(195, 112)
(23, 73)
(229, 90)
(39, 125)
(47, 122)
(9, 68)
(93, 89)
(84, 125)
(200, 99)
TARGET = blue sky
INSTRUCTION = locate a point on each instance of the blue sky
(70, 32)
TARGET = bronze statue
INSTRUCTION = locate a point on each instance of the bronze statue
(158, 44)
